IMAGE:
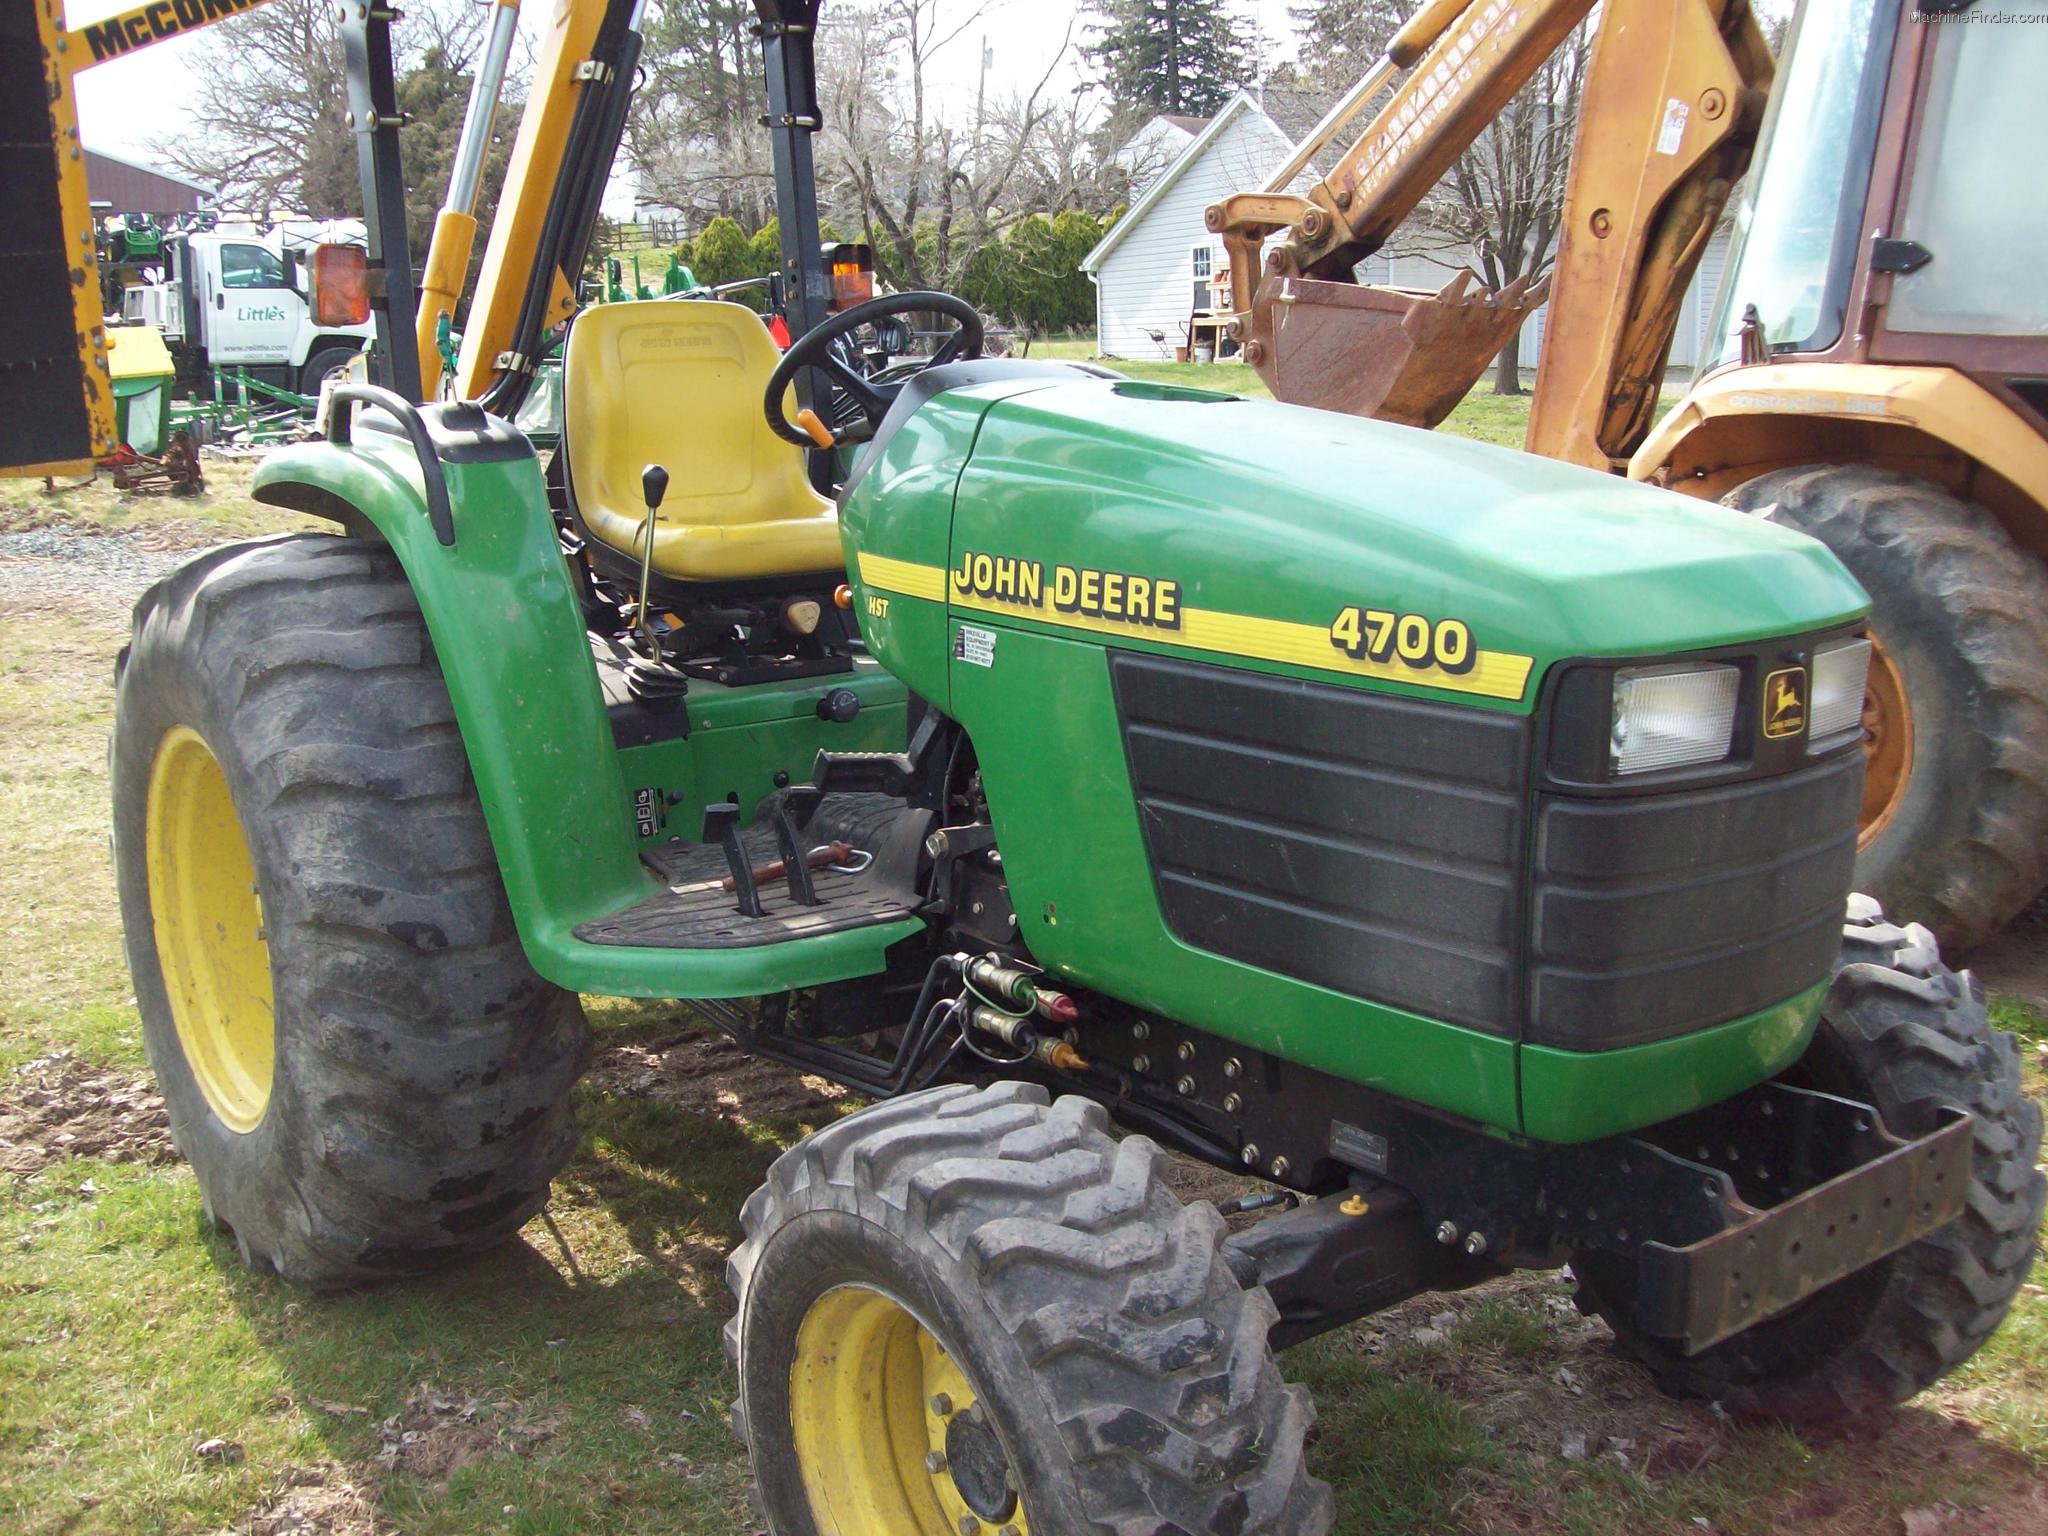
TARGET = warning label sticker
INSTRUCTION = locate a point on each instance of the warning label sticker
(977, 647)
(1668, 137)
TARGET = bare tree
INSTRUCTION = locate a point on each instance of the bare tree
(929, 192)
(696, 138)
(267, 125)
(1508, 189)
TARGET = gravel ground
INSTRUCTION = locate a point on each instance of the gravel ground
(78, 565)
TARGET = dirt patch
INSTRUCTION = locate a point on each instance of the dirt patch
(2015, 962)
(438, 1433)
(327, 1500)
(708, 1075)
(1547, 1384)
(58, 1106)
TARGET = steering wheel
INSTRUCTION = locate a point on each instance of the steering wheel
(873, 396)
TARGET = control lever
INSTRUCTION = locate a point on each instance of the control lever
(722, 826)
(794, 808)
(653, 487)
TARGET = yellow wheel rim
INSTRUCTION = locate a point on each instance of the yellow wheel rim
(1887, 744)
(210, 942)
(890, 1436)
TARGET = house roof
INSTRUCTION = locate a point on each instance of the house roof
(1293, 112)
(1192, 151)
(153, 170)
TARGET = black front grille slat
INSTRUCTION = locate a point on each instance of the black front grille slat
(1351, 799)
(1320, 946)
(1468, 906)
(1691, 830)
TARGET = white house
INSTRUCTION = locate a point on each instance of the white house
(1152, 270)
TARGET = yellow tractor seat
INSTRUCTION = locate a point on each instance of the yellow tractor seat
(679, 383)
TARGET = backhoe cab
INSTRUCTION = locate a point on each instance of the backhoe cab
(1457, 841)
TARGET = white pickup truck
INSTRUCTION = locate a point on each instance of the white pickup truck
(235, 296)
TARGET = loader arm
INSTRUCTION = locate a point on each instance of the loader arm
(1673, 98)
(1673, 103)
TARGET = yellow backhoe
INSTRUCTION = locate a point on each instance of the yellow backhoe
(1879, 373)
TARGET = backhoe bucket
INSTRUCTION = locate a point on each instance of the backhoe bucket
(1394, 353)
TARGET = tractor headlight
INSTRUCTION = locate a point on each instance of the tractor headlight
(1839, 674)
(1672, 716)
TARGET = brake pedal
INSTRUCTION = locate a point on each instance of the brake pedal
(722, 826)
(791, 810)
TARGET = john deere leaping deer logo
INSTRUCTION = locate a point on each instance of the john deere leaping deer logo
(1785, 703)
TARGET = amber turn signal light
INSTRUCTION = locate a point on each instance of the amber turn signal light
(340, 284)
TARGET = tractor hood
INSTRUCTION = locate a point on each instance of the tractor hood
(1203, 521)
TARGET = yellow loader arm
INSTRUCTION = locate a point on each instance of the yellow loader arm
(1673, 98)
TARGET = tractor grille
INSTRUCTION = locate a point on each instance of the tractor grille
(1395, 850)
(1358, 841)
(1662, 913)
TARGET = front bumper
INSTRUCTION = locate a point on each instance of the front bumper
(1777, 1196)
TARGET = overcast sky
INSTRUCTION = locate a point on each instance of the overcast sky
(125, 105)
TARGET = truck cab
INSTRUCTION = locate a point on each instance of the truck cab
(236, 296)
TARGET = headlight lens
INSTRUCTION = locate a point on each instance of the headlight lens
(1672, 716)
(1839, 675)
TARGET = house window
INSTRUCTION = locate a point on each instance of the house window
(1203, 257)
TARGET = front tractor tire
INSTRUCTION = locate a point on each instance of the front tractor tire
(366, 1075)
(1955, 812)
(972, 1310)
(1900, 1031)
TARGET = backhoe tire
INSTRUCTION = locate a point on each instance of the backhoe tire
(1901, 1031)
(366, 1075)
(1961, 612)
(964, 1295)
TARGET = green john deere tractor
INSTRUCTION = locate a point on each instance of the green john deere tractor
(1457, 840)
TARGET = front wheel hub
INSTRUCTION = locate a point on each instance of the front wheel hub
(981, 1471)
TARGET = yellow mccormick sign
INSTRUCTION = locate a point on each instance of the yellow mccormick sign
(1357, 641)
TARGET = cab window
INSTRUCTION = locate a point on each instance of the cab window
(1967, 202)
(250, 266)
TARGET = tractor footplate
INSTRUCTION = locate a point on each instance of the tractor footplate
(700, 909)
(1811, 1188)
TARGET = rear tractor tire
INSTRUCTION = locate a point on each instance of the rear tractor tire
(366, 1075)
(971, 1310)
(1955, 813)
(1900, 1031)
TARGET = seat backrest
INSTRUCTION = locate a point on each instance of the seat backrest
(678, 383)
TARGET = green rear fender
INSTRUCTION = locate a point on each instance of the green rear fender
(508, 630)
(510, 637)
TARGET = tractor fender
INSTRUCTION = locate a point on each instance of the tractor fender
(1932, 423)
(508, 630)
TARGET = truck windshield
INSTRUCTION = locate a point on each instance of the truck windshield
(1797, 223)
(1967, 201)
